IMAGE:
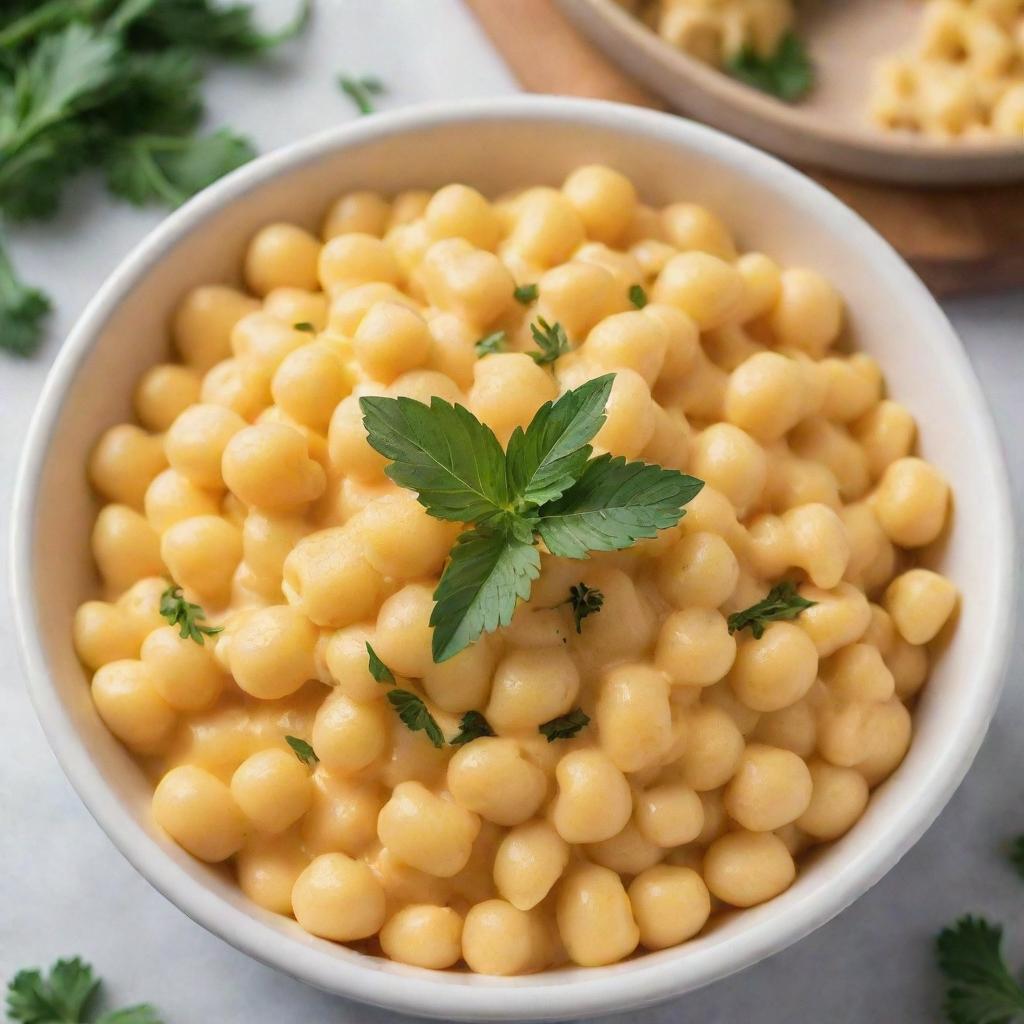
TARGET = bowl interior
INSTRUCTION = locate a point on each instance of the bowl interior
(829, 127)
(497, 147)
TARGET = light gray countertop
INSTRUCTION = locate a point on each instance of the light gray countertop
(65, 890)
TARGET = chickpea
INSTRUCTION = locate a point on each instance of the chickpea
(747, 868)
(349, 449)
(353, 259)
(733, 463)
(202, 554)
(183, 672)
(714, 747)
(886, 433)
(669, 815)
(126, 547)
(852, 386)
(791, 728)
(500, 939)
(196, 441)
(462, 683)
(400, 539)
(492, 778)
(404, 633)
(594, 800)
(391, 339)
(604, 199)
(507, 390)
(838, 617)
(531, 687)
(546, 229)
(363, 212)
(579, 296)
(268, 465)
(338, 898)
(198, 812)
(776, 670)
(267, 868)
(298, 306)
(270, 653)
(272, 788)
(838, 799)
(423, 936)
(771, 788)
(887, 743)
(911, 502)
(124, 463)
(309, 384)
(471, 283)
(765, 395)
(163, 393)
(694, 647)
(528, 863)
(458, 211)
(690, 226)
(703, 286)
(102, 635)
(171, 497)
(203, 323)
(628, 852)
(670, 905)
(808, 314)
(630, 341)
(858, 672)
(347, 735)
(131, 706)
(343, 815)
(595, 919)
(634, 717)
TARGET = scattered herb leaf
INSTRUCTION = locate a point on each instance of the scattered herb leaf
(179, 612)
(304, 325)
(472, 727)
(491, 344)
(788, 73)
(980, 988)
(378, 669)
(638, 296)
(524, 294)
(564, 727)
(413, 712)
(22, 311)
(583, 601)
(303, 750)
(551, 340)
(782, 602)
(1017, 855)
(360, 90)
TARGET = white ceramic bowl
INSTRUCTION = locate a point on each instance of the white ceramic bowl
(496, 145)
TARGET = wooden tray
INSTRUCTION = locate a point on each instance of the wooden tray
(960, 240)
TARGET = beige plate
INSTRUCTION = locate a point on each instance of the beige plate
(828, 128)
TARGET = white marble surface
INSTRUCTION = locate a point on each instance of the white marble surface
(65, 890)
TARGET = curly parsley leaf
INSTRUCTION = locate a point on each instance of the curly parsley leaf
(584, 601)
(781, 602)
(491, 568)
(179, 612)
(303, 751)
(788, 73)
(472, 727)
(980, 989)
(524, 294)
(443, 452)
(64, 996)
(551, 339)
(564, 727)
(638, 296)
(491, 344)
(22, 311)
(415, 715)
(614, 504)
(378, 669)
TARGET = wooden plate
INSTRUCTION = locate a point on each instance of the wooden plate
(829, 128)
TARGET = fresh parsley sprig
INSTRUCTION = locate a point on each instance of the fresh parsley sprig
(303, 751)
(361, 90)
(583, 601)
(545, 484)
(552, 342)
(491, 344)
(981, 989)
(564, 727)
(410, 707)
(781, 602)
(65, 996)
(179, 612)
(788, 73)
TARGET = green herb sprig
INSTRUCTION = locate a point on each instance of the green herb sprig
(564, 727)
(410, 707)
(551, 339)
(544, 485)
(491, 344)
(980, 988)
(781, 602)
(179, 612)
(583, 601)
(303, 751)
(361, 90)
(472, 727)
(66, 996)
(788, 73)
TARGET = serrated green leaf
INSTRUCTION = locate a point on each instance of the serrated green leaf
(548, 457)
(472, 727)
(614, 504)
(378, 669)
(62, 996)
(489, 572)
(415, 715)
(452, 460)
(981, 989)
(781, 603)
(158, 93)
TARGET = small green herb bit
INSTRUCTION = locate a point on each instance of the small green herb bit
(305, 326)
(179, 612)
(583, 601)
(781, 602)
(472, 727)
(303, 750)
(491, 344)
(788, 73)
(638, 296)
(980, 990)
(524, 294)
(22, 311)
(378, 669)
(564, 727)
(1017, 855)
(360, 90)
(551, 340)
(413, 712)
(64, 996)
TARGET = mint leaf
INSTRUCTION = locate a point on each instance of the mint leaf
(564, 727)
(781, 602)
(551, 339)
(443, 452)
(472, 727)
(378, 669)
(414, 714)
(548, 457)
(490, 569)
(303, 751)
(788, 73)
(613, 505)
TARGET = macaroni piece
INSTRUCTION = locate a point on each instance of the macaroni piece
(712, 759)
(962, 76)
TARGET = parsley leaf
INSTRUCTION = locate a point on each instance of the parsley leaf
(179, 612)
(490, 344)
(524, 294)
(360, 90)
(413, 712)
(378, 669)
(1017, 855)
(584, 601)
(638, 296)
(548, 457)
(489, 570)
(472, 727)
(443, 452)
(63, 997)
(981, 989)
(303, 750)
(169, 169)
(614, 504)
(304, 325)
(22, 311)
(781, 602)
(564, 727)
(551, 340)
(788, 73)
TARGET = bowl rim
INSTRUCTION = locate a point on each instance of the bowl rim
(425, 993)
